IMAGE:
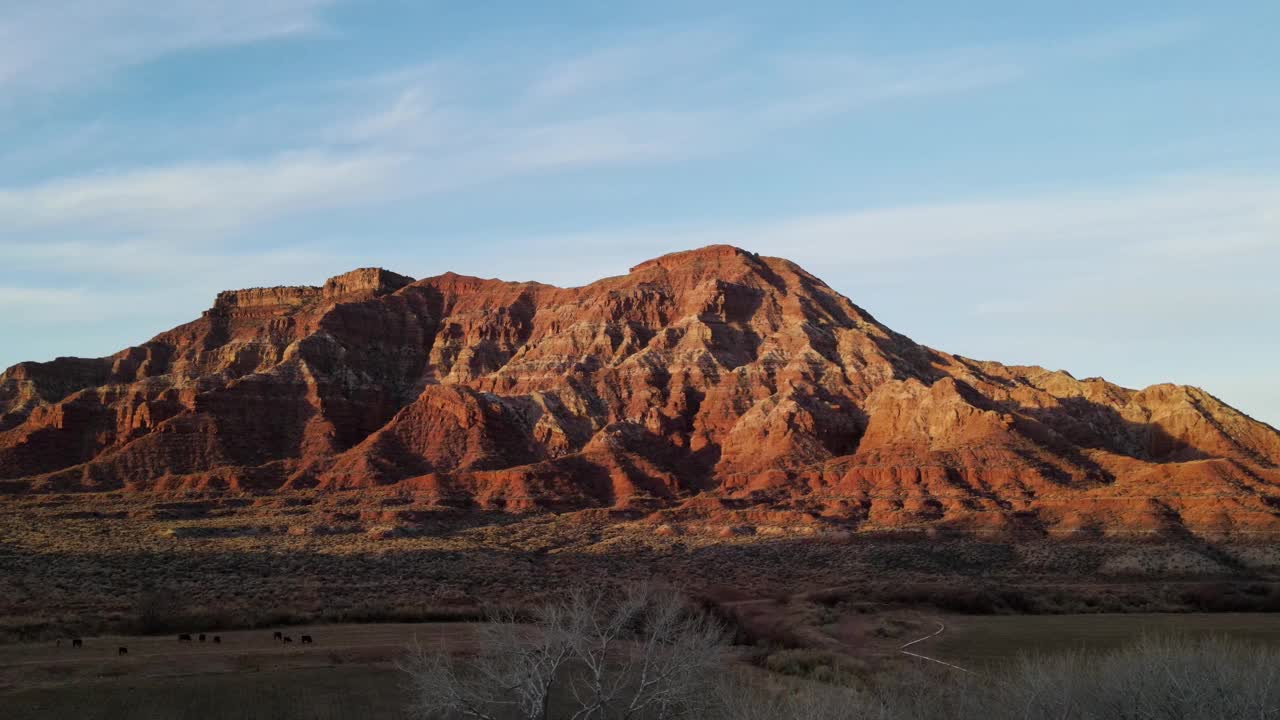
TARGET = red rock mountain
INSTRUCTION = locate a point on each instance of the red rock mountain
(704, 381)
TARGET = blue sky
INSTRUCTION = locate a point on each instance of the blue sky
(1089, 186)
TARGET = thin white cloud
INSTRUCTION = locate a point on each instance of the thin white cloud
(662, 55)
(132, 283)
(1128, 39)
(199, 198)
(150, 262)
(447, 125)
(38, 308)
(412, 119)
(1214, 216)
(52, 44)
(24, 297)
(1144, 224)
(635, 103)
(823, 84)
(606, 139)
(429, 132)
(827, 84)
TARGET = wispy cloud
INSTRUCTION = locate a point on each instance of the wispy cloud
(666, 96)
(652, 97)
(1214, 216)
(199, 198)
(822, 85)
(49, 45)
(1120, 231)
(153, 283)
(411, 118)
(429, 129)
(12, 298)
(1127, 39)
(664, 55)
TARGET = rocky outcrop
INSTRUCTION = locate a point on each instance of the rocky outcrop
(702, 379)
(357, 284)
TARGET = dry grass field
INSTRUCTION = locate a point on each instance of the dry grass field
(348, 672)
(978, 641)
(327, 694)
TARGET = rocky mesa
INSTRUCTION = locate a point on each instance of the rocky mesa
(713, 381)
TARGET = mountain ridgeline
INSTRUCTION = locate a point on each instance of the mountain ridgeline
(713, 380)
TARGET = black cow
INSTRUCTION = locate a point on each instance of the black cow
(217, 639)
(278, 636)
(122, 651)
(201, 637)
(306, 640)
(76, 642)
(184, 637)
(288, 639)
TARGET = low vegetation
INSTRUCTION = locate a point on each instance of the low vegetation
(651, 656)
(809, 621)
(81, 564)
(1155, 678)
(818, 661)
(646, 655)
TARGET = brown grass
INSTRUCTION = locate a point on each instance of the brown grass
(348, 673)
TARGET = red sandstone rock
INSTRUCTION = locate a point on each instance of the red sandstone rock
(710, 376)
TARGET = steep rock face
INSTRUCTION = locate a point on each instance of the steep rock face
(709, 376)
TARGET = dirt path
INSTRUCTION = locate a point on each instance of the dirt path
(941, 628)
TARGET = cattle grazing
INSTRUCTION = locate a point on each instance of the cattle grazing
(217, 639)
(278, 636)
(306, 639)
(122, 651)
(184, 637)
(288, 639)
(76, 642)
(201, 637)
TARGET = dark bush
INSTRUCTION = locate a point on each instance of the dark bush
(158, 611)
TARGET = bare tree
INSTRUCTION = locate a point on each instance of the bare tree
(512, 674)
(647, 654)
